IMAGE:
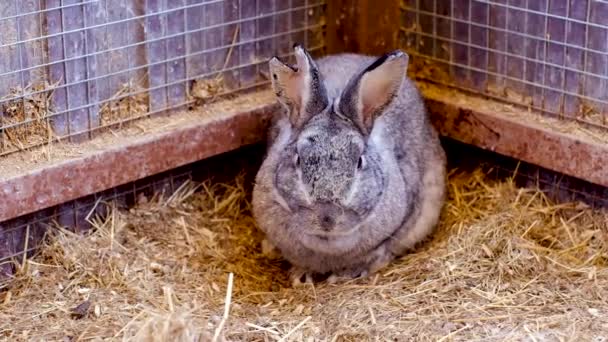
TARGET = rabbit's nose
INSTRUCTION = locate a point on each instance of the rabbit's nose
(327, 214)
(327, 222)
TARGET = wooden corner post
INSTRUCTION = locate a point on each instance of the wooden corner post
(362, 26)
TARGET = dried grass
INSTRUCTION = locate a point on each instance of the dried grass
(121, 108)
(207, 89)
(26, 117)
(424, 69)
(505, 264)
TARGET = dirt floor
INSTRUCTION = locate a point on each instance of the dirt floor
(506, 264)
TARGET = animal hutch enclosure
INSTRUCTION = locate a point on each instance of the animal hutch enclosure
(104, 100)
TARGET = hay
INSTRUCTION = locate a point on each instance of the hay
(505, 264)
(129, 102)
(206, 89)
(424, 69)
(26, 117)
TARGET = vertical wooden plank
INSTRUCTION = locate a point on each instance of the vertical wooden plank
(597, 64)
(176, 51)
(377, 32)
(265, 47)
(32, 54)
(96, 40)
(479, 42)
(98, 44)
(363, 26)
(57, 69)
(426, 25)
(555, 55)
(195, 39)
(156, 23)
(342, 26)
(316, 27)
(535, 49)
(248, 33)
(298, 21)
(9, 49)
(497, 45)
(9, 64)
(214, 36)
(34, 75)
(409, 26)
(137, 53)
(117, 59)
(575, 57)
(516, 23)
(461, 10)
(442, 45)
(230, 53)
(76, 72)
(284, 43)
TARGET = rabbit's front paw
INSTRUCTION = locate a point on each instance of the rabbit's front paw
(347, 275)
(299, 276)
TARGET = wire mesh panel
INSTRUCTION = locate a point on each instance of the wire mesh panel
(547, 55)
(69, 68)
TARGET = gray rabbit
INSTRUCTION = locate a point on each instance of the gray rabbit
(354, 175)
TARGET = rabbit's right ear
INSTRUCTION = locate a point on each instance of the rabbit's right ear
(372, 90)
(300, 89)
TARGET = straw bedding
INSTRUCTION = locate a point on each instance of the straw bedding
(505, 264)
(26, 114)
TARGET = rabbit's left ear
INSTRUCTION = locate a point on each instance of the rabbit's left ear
(300, 89)
(367, 94)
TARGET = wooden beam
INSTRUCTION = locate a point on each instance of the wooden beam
(198, 135)
(514, 132)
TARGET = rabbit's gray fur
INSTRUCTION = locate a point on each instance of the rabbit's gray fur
(327, 211)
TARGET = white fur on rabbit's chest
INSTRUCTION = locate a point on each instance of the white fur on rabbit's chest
(300, 255)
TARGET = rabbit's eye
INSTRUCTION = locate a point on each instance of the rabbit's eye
(361, 163)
